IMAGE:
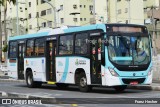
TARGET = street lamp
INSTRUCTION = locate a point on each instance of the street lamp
(54, 9)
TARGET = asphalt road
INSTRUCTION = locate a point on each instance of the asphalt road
(73, 92)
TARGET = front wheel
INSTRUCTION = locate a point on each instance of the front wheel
(82, 82)
(30, 82)
(120, 88)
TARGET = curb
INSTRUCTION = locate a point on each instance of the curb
(145, 87)
(12, 80)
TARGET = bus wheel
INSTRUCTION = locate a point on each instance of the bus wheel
(120, 88)
(83, 83)
(62, 85)
(30, 82)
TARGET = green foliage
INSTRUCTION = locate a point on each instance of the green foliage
(5, 48)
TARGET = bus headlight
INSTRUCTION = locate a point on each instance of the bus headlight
(150, 72)
(113, 72)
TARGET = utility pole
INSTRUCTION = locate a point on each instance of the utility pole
(154, 30)
(94, 13)
(17, 17)
(116, 10)
(129, 12)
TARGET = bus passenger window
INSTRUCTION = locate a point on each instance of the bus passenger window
(39, 47)
(66, 45)
(12, 49)
(30, 45)
(81, 44)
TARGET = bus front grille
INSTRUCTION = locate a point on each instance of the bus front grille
(128, 81)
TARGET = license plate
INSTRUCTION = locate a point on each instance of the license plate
(133, 83)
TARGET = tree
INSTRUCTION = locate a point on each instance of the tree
(4, 3)
(0, 33)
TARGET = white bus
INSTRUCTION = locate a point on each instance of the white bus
(113, 55)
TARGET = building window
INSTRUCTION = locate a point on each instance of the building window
(49, 11)
(13, 49)
(62, 20)
(49, 23)
(30, 26)
(75, 19)
(37, 2)
(80, 6)
(81, 19)
(39, 47)
(66, 45)
(30, 16)
(91, 8)
(42, 1)
(29, 4)
(43, 13)
(81, 44)
(30, 46)
(119, 11)
(44, 24)
(75, 6)
(85, 19)
(118, 0)
(84, 6)
(61, 7)
(126, 10)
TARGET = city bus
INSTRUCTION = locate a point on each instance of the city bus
(112, 55)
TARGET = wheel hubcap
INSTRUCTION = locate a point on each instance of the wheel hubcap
(83, 82)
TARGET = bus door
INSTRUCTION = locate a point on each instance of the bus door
(95, 51)
(50, 60)
(21, 49)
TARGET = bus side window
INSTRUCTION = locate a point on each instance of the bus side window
(81, 44)
(39, 47)
(30, 46)
(12, 49)
(66, 45)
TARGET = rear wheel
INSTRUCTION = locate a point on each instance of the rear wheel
(120, 88)
(82, 82)
(30, 82)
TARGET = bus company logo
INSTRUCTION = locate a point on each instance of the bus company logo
(134, 74)
(76, 63)
(60, 63)
(80, 62)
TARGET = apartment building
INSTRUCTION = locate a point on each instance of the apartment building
(152, 21)
(57, 13)
(119, 11)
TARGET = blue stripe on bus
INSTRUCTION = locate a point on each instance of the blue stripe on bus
(64, 76)
(29, 36)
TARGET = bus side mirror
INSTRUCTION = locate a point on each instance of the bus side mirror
(106, 43)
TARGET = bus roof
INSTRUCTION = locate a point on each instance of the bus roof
(29, 36)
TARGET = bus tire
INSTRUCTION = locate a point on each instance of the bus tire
(82, 83)
(120, 88)
(30, 82)
(62, 85)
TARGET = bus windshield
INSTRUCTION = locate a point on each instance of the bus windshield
(129, 49)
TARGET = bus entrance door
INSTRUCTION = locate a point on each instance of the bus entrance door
(21, 50)
(51, 64)
(95, 60)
